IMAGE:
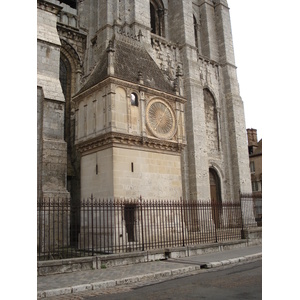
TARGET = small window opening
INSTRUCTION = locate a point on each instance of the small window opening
(134, 99)
(132, 170)
(195, 32)
(71, 3)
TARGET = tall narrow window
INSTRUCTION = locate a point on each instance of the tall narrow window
(196, 32)
(153, 19)
(211, 120)
(157, 17)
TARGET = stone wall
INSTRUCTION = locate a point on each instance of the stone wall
(52, 155)
(215, 136)
(150, 174)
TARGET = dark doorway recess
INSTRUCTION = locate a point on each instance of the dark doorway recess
(129, 215)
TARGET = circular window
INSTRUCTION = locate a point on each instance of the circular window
(161, 119)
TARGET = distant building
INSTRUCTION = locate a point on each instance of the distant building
(255, 157)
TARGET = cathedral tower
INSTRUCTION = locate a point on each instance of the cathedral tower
(150, 100)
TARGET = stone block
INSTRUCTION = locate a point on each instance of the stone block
(81, 288)
(57, 292)
(103, 284)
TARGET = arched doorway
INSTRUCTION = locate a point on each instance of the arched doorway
(215, 196)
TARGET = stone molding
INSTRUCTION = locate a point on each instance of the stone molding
(80, 96)
(49, 7)
(121, 139)
(71, 33)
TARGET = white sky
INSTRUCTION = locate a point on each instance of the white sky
(249, 46)
(266, 42)
(263, 34)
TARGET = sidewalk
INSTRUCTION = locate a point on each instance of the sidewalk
(54, 285)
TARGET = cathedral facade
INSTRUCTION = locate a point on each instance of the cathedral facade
(139, 98)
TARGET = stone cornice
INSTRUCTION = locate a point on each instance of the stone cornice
(70, 32)
(117, 81)
(49, 7)
(226, 64)
(223, 3)
(214, 63)
(114, 139)
(208, 2)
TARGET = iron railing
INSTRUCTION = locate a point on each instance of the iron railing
(95, 226)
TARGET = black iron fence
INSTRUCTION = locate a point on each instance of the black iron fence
(95, 226)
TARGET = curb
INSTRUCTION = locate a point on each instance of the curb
(138, 278)
(231, 261)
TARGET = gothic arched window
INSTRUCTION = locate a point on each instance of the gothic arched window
(211, 120)
(157, 17)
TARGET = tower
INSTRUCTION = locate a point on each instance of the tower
(149, 98)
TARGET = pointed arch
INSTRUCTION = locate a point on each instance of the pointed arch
(76, 69)
(69, 74)
(211, 121)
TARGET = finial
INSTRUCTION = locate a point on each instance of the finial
(110, 47)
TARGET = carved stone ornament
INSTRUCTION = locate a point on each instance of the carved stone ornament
(160, 119)
(113, 139)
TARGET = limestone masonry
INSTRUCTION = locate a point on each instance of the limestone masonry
(139, 97)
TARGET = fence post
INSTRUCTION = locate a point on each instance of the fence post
(181, 205)
(215, 209)
(142, 227)
(92, 216)
(242, 232)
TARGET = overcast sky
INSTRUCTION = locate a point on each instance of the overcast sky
(265, 35)
(267, 48)
(248, 38)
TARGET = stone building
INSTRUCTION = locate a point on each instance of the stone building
(139, 97)
(255, 158)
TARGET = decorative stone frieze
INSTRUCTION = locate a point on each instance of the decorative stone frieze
(119, 139)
